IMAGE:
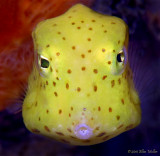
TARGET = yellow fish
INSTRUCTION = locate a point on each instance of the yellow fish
(81, 89)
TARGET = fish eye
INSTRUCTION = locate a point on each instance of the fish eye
(44, 63)
(120, 62)
(120, 56)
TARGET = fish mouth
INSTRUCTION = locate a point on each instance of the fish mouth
(83, 131)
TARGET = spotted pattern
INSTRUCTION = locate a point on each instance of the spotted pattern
(104, 77)
(109, 62)
(120, 126)
(99, 108)
(89, 51)
(83, 55)
(69, 130)
(71, 108)
(112, 83)
(60, 111)
(101, 134)
(73, 47)
(54, 83)
(69, 71)
(46, 128)
(65, 141)
(67, 85)
(60, 133)
(95, 71)
(89, 39)
(56, 94)
(119, 81)
(78, 89)
(110, 109)
(83, 68)
(122, 100)
(84, 85)
(103, 49)
(95, 88)
(118, 117)
(35, 130)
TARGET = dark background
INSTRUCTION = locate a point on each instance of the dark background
(143, 19)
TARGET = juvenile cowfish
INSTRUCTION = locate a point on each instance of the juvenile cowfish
(81, 89)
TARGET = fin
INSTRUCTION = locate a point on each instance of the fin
(144, 66)
(14, 105)
(15, 67)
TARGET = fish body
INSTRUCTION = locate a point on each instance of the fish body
(81, 88)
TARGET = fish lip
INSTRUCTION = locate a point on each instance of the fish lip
(83, 131)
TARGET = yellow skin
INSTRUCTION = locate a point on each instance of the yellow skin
(85, 95)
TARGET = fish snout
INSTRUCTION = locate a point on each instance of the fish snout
(83, 131)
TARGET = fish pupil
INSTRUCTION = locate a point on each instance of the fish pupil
(120, 57)
(44, 63)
